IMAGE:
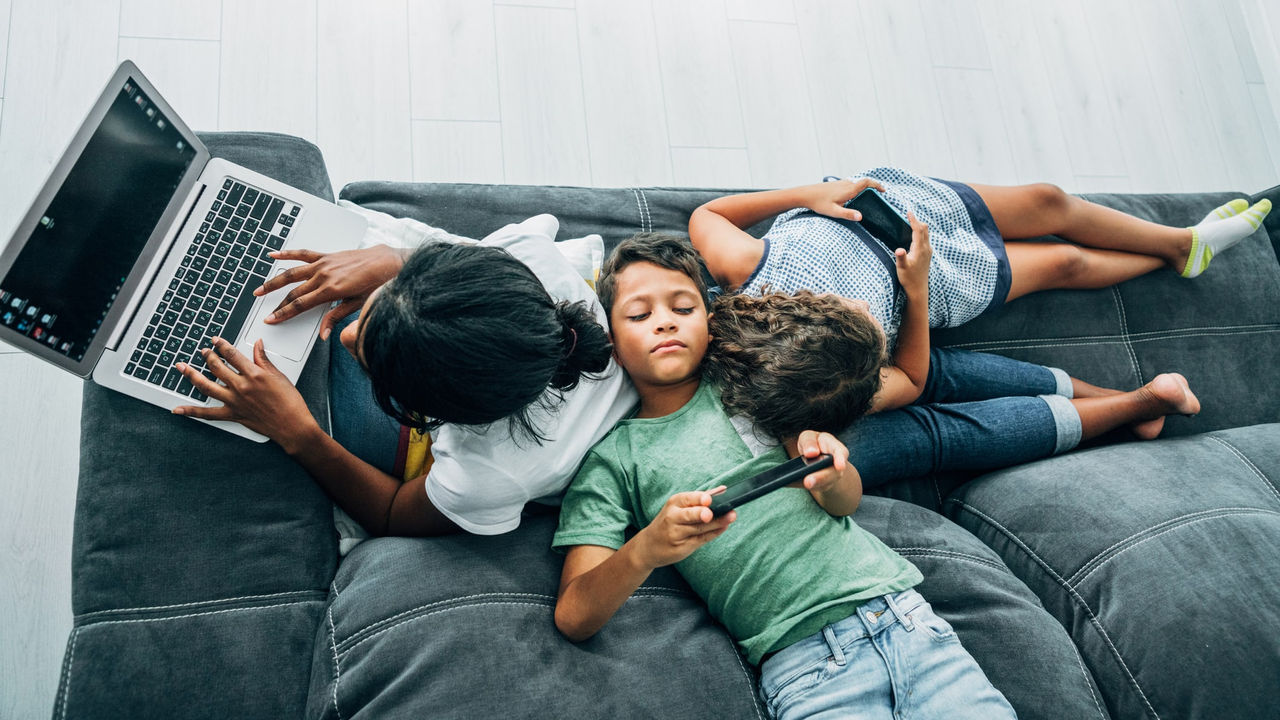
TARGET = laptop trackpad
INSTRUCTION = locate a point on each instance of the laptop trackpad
(290, 338)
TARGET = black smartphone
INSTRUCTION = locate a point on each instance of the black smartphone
(791, 471)
(881, 220)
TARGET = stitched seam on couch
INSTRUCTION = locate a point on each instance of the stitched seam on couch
(184, 616)
(1155, 531)
(64, 686)
(337, 672)
(952, 555)
(369, 632)
(1091, 340)
(1248, 463)
(247, 601)
(1071, 592)
(1124, 332)
(641, 208)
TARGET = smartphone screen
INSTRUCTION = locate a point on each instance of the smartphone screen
(881, 220)
(793, 470)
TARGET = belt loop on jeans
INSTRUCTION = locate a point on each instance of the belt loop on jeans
(834, 645)
(902, 617)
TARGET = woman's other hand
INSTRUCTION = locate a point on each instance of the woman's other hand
(347, 276)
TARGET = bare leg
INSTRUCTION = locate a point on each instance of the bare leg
(1164, 395)
(1117, 246)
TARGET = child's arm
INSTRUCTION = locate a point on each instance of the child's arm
(717, 227)
(902, 382)
(597, 580)
(838, 489)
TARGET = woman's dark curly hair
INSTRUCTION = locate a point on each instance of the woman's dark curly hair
(467, 334)
(794, 362)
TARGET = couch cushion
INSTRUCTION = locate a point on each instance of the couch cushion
(194, 548)
(1146, 553)
(463, 627)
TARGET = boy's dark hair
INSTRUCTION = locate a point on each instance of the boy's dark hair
(467, 334)
(794, 362)
(668, 251)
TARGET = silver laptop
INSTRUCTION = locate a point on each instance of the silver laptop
(140, 247)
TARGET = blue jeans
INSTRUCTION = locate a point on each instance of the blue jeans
(893, 658)
(359, 425)
(977, 412)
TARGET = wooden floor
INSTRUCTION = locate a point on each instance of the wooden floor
(1094, 95)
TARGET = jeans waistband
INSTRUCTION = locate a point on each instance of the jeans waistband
(872, 617)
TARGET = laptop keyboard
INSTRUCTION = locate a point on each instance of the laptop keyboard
(211, 293)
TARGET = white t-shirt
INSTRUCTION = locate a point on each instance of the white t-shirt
(481, 479)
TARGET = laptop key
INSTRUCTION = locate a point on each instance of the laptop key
(165, 360)
(155, 346)
(141, 373)
(184, 386)
(215, 262)
(130, 368)
(148, 361)
(250, 195)
(260, 207)
(275, 242)
(157, 376)
(233, 197)
(188, 346)
(171, 379)
(161, 334)
(273, 212)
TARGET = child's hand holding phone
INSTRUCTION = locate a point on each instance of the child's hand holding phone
(684, 524)
(838, 489)
(830, 198)
(913, 264)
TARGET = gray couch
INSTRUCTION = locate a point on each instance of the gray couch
(1125, 580)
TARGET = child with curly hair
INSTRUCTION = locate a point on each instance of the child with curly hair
(799, 585)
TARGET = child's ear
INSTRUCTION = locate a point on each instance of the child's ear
(613, 346)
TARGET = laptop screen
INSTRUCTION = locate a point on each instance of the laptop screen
(62, 285)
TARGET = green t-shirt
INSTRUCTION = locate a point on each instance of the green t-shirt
(781, 572)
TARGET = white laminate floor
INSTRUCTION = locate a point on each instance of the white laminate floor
(1094, 95)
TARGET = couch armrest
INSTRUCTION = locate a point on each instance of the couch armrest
(200, 560)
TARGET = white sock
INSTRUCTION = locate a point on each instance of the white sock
(1229, 210)
(1212, 236)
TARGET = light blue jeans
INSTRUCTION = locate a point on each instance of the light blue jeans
(892, 659)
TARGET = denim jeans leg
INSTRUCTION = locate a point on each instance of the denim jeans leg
(917, 440)
(359, 425)
(964, 376)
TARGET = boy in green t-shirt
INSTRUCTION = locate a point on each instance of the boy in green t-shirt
(822, 605)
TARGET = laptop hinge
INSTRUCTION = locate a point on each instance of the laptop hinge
(153, 269)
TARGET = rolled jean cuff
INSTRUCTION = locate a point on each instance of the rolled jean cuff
(1063, 382)
(1067, 422)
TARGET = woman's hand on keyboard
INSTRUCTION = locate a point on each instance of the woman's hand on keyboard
(253, 392)
(347, 276)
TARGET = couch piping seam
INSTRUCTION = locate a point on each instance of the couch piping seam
(648, 218)
(1150, 336)
(149, 608)
(1093, 618)
(1214, 516)
(198, 614)
(1103, 556)
(951, 554)
(337, 670)
(1124, 331)
(1085, 674)
(64, 693)
(1245, 459)
(451, 608)
(438, 603)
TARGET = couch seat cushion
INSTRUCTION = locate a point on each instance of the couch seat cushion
(1145, 552)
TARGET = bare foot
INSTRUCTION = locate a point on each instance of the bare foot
(1173, 395)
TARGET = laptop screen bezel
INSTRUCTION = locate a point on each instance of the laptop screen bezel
(138, 275)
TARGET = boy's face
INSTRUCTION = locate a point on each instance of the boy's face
(659, 324)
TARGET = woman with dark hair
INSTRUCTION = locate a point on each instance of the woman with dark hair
(495, 349)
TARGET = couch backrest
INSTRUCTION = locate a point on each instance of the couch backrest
(1221, 330)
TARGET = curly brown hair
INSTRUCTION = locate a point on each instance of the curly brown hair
(794, 362)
